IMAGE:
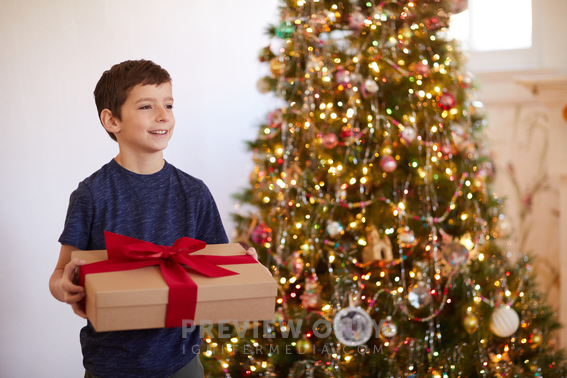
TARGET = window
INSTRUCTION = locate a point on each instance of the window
(497, 34)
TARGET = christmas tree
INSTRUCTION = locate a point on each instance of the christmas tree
(371, 206)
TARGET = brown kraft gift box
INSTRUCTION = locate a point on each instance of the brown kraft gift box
(137, 299)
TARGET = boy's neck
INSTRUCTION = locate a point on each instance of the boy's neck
(143, 165)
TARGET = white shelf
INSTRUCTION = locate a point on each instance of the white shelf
(538, 83)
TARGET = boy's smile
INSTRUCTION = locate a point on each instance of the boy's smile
(147, 119)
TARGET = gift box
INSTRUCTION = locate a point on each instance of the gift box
(138, 298)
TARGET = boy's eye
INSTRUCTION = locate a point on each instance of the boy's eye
(169, 106)
(145, 107)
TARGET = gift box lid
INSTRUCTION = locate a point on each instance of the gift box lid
(146, 286)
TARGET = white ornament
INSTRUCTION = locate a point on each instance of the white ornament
(334, 228)
(456, 254)
(352, 326)
(370, 86)
(408, 134)
(504, 322)
(389, 328)
(419, 295)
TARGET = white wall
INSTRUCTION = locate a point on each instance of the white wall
(51, 56)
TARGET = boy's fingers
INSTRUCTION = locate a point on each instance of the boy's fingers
(77, 309)
(71, 298)
(252, 252)
(70, 268)
(71, 288)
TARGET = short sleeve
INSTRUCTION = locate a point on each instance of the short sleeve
(210, 228)
(78, 221)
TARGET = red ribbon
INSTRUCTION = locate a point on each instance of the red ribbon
(126, 253)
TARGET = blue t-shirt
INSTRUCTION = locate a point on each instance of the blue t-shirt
(159, 208)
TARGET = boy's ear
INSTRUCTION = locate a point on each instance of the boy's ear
(109, 121)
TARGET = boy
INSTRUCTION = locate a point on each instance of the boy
(137, 194)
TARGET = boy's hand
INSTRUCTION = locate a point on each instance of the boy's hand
(252, 252)
(71, 293)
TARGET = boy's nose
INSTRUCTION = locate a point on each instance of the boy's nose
(163, 116)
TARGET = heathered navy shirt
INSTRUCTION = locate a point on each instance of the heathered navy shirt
(159, 208)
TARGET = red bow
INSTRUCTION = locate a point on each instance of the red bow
(126, 253)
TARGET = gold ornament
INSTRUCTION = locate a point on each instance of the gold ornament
(276, 67)
(470, 322)
(536, 339)
(378, 249)
(387, 150)
(263, 85)
(435, 374)
(304, 346)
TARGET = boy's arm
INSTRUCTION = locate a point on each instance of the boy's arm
(61, 282)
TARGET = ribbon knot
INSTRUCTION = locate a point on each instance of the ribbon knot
(166, 254)
(126, 253)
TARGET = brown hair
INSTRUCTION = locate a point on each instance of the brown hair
(115, 84)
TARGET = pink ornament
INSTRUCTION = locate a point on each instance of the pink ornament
(467, 80)
(342, 76)
(261, 234)
(356, 20)
(330, 140)
(408, 135)
(275, 118)
(447, 101)
(388, 163)
(422, 68)
(311, 297)
(447, 149)
(296, 264)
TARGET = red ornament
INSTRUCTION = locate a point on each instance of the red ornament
(261, 234)
(434, 23)
(388, 163)
(330, 140)
(346, 132)
(447, 101)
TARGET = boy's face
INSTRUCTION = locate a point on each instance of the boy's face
(147, 119)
